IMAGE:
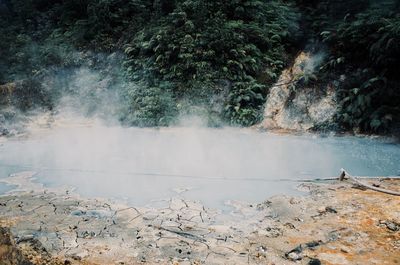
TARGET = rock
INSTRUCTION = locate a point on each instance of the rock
(293, 105)
(295, 256)
(330, 209)
(297, 253)
(345, 249)
(262, 249)
(392, 226)
(314, 262)
(327, 209)
(313, 244)
(9, 253)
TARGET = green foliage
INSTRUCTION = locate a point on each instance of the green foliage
(214, 57)
(371, 106)
(210, 41)
(193, 46)
(245, 102)
(364, 49)
(150, 106)
(103, 24)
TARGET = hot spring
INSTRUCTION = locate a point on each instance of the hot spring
(144, 166)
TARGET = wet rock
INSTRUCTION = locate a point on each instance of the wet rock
(99, 213)
(24, 238)
(78, 213)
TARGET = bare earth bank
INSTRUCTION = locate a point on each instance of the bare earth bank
(334, 224)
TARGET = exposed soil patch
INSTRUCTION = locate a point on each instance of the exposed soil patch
(334, 224)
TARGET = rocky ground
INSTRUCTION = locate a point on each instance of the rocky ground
(296, 105)
(335, 223)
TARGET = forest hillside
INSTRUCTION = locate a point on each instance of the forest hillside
(149, 62)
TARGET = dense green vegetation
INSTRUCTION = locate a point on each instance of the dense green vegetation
(214, 58)
(200, 44)
(362, 38)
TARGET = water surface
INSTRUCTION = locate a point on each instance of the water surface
(210, 165)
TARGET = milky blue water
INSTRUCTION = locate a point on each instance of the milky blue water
(209, 165)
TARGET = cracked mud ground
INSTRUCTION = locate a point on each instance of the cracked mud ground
(334, 224)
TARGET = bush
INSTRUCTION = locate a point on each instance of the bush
(150, 106)
(245, 101)
(210, 41)
(361, 39)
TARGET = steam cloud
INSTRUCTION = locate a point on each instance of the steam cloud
(102, 158)
(210, 165)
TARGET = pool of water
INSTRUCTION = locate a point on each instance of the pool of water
(5, 188)
(209, 165)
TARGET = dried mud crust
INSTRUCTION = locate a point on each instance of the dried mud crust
(334, 224)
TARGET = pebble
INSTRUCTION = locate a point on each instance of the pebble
(392, 226)
(345, 249)
(326, 209)
(295, 256)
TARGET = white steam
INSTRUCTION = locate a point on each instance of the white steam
(211, 165)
